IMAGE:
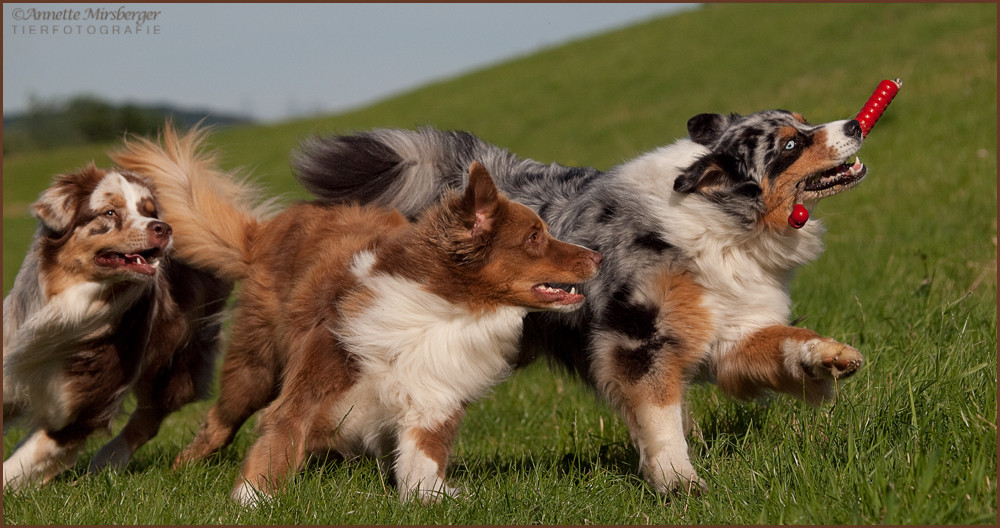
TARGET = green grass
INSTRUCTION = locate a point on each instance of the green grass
(909, 277)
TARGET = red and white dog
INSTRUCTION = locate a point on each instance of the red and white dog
(360, 331)
(96, 311)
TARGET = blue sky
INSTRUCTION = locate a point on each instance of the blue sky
(274, 61)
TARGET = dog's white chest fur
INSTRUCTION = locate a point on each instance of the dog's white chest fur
(421, 357)
(35, 349)
(745, 275)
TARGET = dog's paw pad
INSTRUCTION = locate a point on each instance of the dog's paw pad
(830, 359)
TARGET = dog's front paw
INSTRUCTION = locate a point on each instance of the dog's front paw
(824, 359)
(249, 496)
(817, 364)
(674, 480)
(429, 495)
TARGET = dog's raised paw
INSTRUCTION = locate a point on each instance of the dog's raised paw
(830, 359)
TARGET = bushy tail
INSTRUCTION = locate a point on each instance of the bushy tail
(214, 215)
(404, 169)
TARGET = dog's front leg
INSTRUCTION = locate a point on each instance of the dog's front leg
(649, 343)
(422, 458)
(787, 359)
(142, 425)
(652, 403)
(40, 458)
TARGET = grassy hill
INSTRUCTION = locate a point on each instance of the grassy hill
(909, 277)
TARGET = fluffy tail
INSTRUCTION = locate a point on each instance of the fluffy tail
(403, 169)
(214, 216)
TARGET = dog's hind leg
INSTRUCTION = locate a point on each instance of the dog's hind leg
(249, 381)
(244, 389)
(278, 454)
(180, 374)
(297, 423)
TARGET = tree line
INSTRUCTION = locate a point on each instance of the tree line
(86, 119)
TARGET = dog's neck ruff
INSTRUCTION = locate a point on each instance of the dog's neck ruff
(421, 343)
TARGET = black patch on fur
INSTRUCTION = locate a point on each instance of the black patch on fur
(635, 363)
(742, 202)
(717, 169)
(785, 158)
(564, 344)
(608, 213)
(653, 242)
(635, 321)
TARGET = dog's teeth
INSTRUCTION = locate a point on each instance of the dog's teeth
(572, 291)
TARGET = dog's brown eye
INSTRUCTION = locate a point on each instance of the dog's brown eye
(533, 238)
(111, 212)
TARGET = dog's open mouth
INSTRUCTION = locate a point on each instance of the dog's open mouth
(834, 180)
(558, 294)
(143, 262)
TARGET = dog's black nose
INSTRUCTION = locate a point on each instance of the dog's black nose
(852, 128)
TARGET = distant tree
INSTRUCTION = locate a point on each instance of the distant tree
(96, 120)
(88, 119)
(135, 120)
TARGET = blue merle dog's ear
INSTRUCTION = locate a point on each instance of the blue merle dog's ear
(714, 172)
(709, 171)
(705, 129)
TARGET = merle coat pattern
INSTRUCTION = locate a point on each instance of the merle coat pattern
(99, 310)
(698, 256)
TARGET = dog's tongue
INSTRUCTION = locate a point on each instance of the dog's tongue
(132, 262)
(551, 294)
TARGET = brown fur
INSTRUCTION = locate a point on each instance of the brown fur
(316, 277)
(781, 195)
(476, 250)
(154, 333)
(757, 364)
(436, 443)
(658, 372)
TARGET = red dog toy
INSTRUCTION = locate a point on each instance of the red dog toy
(877, 104)
(867, 117)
